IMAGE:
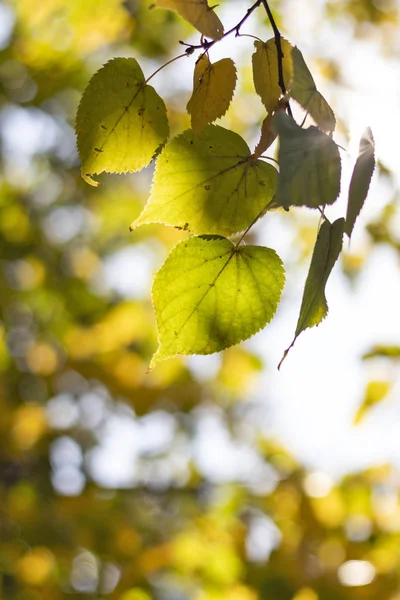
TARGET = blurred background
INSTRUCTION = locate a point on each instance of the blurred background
(210, 478)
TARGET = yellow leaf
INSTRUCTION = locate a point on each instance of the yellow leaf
(30, 424)
(266, 73)
(213, 87)
(375, 392)
(268, 136)
(306, 593)
(36, 567)
(198, 13)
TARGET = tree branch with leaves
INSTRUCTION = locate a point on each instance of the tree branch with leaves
(212, 293)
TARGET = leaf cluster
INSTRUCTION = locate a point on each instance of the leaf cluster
(211, 292)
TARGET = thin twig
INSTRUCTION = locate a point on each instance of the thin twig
(279, 52)
(164, 65)
(207, 44)
(254, 221)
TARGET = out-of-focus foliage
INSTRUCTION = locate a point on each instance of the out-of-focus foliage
(117, 484)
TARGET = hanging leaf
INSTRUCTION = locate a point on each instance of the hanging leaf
(213, 87)
(309, 164)
(268, 136)
(375, 392)
(210, 295)
(198, 14)
(314, 307)
(266, 73)
(304, 91)
(121, 121)
(360, 180)
(208, 184)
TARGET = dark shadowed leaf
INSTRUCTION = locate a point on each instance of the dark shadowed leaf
(309, 164)
(304, 91)
(314, 306)
(360, 180)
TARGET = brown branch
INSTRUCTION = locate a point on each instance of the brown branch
(205, 45)
(279, 52)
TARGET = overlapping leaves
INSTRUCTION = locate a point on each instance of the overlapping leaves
(208, 184)
(211, 293)
(266, 71)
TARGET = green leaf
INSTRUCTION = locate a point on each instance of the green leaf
(360, 180)
(309, 164)
(314, 306)
(213, 87)
(304, 91)
(121, 121)
(198, 14)
(266, 74)
(210, 295)
(375, 392)
(208, 184)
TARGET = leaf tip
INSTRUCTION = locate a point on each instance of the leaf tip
(87, 177)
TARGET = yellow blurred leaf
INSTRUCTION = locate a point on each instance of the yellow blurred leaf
(375, 392)
(36, 567)
(239, 370)
(330, 509)
(213, 87)
(42, 359)
(30, 424)
(57, 28)
(306, 594)
(197, 13)
(135, 594)
(331, 553)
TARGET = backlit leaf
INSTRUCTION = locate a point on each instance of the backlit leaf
(375, 392)
(304, 91)
(121, 121)
(208, 184)
(309, 163)
(268, 136)
(314, 306)
(210, 295)
(198, 14)
(213, 87)
(360, 179)
(266, 74)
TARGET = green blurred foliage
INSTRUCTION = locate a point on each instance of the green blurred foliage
(74, 351)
